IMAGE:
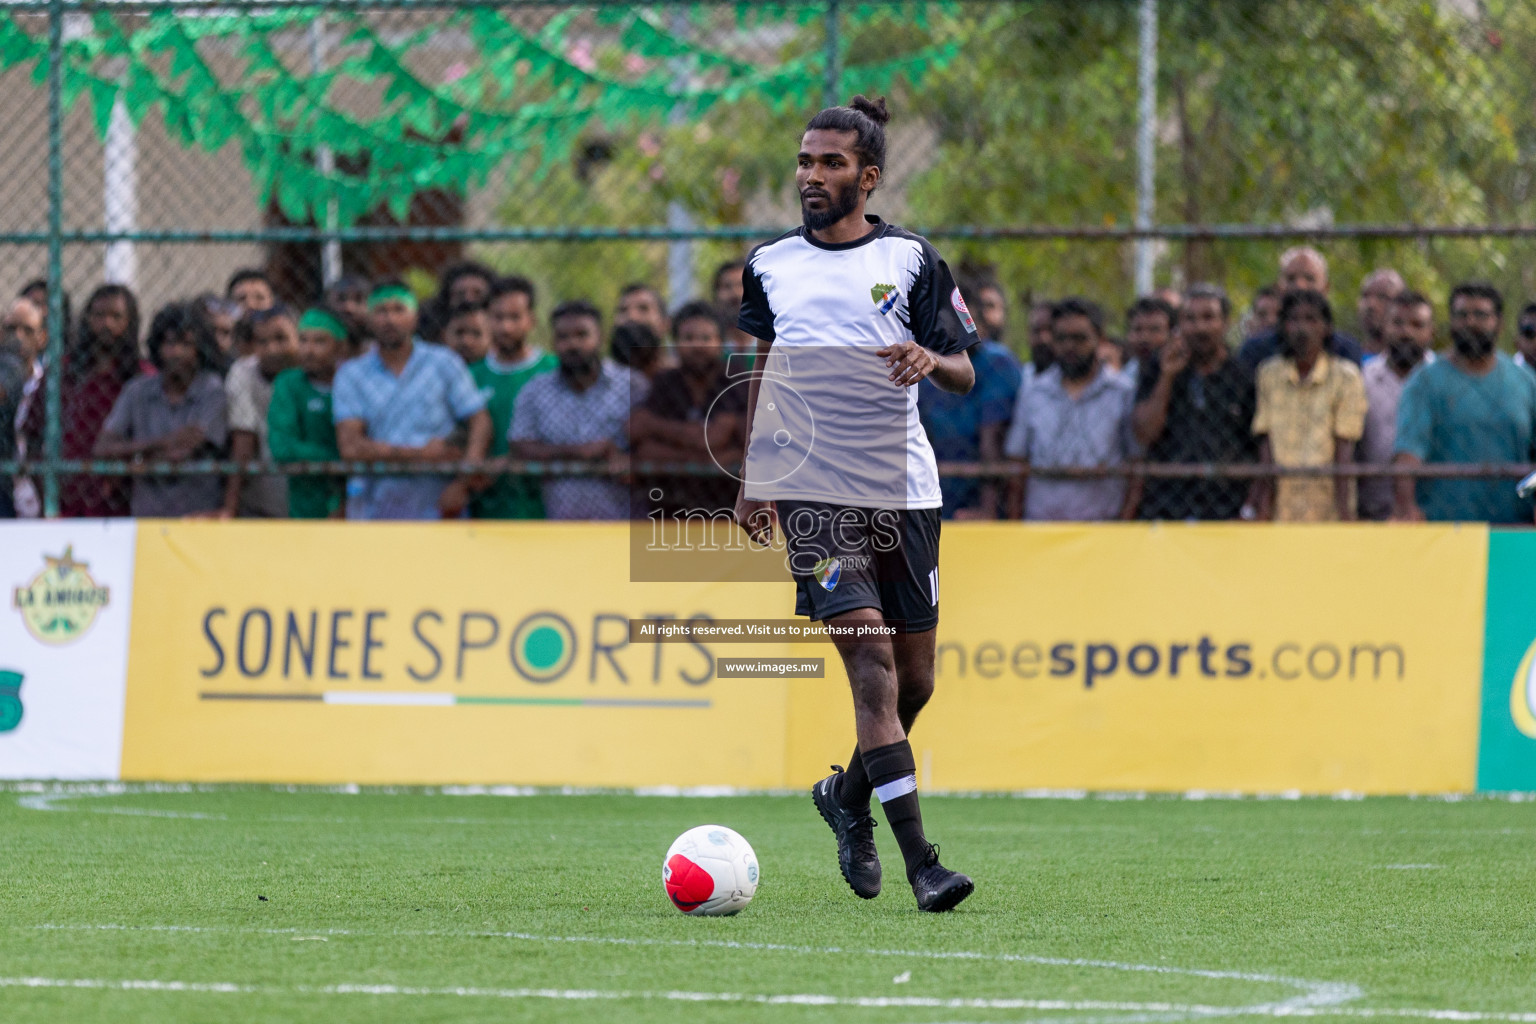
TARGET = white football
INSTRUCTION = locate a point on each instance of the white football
(710, 871)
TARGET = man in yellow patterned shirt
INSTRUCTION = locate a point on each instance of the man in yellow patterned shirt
(1311, 411)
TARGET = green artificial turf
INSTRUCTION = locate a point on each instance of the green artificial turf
(1092, 910)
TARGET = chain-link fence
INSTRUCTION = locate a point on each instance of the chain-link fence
(153, 151)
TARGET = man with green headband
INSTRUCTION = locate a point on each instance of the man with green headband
(300, 424)
(401, 403)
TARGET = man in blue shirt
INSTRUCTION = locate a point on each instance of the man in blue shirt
(1476, 406)
(402, 402)
(971, 427)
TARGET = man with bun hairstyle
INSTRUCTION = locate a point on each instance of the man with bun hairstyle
(850, 314)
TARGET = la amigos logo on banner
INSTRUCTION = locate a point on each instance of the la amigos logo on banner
(61, 603)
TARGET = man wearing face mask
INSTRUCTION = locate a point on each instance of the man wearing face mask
(1409, 337)
(1476, 406)
(1077, 413)
(579, 412)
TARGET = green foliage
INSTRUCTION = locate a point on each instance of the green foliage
(1289, 111)
(523, 92)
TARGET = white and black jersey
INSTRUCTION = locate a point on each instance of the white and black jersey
(830, 426)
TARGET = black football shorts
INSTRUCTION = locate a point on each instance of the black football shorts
(844, 558)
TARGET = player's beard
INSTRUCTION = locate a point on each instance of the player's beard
(839, 205)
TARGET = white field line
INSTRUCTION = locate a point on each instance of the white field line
(1312, 994)
(771, 999)
(352, 789)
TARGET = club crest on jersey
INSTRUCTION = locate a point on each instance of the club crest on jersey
(885, 296)
(827, 572)
(958, 301)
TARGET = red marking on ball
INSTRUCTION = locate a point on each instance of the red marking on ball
(688, 885)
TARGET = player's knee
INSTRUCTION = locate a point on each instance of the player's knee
(873, 680)
(913, 697)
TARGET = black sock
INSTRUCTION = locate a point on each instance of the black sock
(893, 773)
(853, 786)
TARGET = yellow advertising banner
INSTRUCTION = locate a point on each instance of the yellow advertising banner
(1180, 657)
(1164, 657)
(433, 653)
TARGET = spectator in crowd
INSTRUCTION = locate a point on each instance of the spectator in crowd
(1172, 296)
(971, 427)
(1311, 411)
(692, 414)
(1525, 337)
(991, 310)
(1263, 312)
(251, 290)
(402, 401)
(217, 331)
(36, 292)
(642, 304)
(1195, 403)
(468, 332)
(464, 283)
(1377, 291)
(14, 374)
(512, 362)
(580, 412)
(1075, 414)
(1410, 339)
(1112, 355)
(100, 360)
(1149, 323)
(25, 332)
(1476, 406)
(728, 293)
(301, 425)
(635, 345)
(1040, 357)
(348, 297)
(1301, 269)
(175, 415)
(275, 344)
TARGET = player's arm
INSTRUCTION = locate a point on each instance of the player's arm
(942, 331)
(756, 517)
(910, 362)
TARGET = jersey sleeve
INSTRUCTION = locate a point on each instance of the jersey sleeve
(936, 311)
(756, 316)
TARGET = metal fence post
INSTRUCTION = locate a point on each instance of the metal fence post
(834, 85)
(53, 433)
(1146, 143)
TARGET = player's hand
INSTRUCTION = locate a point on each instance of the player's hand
(1175, 356)
(757, 518)
(909, 362)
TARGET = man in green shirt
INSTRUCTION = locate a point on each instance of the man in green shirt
(510, 364)
(300, 427)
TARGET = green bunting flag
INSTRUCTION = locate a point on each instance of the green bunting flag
(282, 82)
